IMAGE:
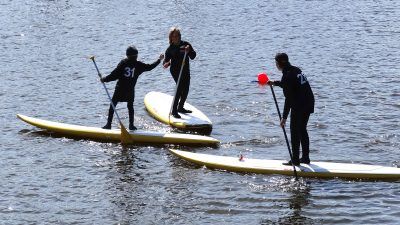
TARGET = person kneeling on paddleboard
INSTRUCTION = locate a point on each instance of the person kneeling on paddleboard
(174, 58)
(299, 99)
(127, 73)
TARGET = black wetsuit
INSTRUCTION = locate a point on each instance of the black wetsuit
(175, 53)
(127, 73)
(299, 99)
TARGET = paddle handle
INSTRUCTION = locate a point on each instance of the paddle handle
(284, 132)
(177, 84)
(105, 88)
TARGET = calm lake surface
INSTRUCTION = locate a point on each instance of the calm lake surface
(349, 51)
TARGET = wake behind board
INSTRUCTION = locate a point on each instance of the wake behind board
(114, 135)
(159, 104)
(315, 169)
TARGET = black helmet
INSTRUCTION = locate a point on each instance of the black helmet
(131, 51)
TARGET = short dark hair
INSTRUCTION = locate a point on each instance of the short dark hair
(282, 59)
(131, 51)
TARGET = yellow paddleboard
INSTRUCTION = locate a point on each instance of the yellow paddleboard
(159, 104)
(315, 169)
(114, 135)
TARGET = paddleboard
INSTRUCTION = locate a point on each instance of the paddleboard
(114, 135)
(315, 169)
(159, 104)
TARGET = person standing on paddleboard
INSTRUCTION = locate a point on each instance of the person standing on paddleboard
(174, 57)
(299, 99)
(127, 73)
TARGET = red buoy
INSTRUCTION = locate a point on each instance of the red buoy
(262, 78)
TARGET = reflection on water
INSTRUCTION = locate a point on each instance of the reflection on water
(298, 198)
(124, 183)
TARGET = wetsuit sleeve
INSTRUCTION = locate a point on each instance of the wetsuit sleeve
(192, 53)
(277, 83)
(115, 74)
(288, 85)
(148, 67)
(167, 56)
(142, 67)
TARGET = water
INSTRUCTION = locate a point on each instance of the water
(348, 50)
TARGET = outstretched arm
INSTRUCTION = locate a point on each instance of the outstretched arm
(276, 83)
(148, 67)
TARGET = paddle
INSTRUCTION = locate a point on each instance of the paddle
(263, 79)
(177, 85)
(125, 136)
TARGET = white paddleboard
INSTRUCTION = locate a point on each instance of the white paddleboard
(315, 169)
(114, 135)
(159, 104)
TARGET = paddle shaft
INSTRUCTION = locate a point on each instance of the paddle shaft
(177, 84)
(284, 132)
(105, 88)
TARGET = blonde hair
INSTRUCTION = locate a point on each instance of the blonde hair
(171, 31)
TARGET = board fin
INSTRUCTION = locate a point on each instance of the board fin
(125, 136)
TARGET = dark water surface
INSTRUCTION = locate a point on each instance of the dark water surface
(348, 49)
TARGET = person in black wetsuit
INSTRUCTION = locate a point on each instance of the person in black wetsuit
(299, 99)
(127, 73)
(174, 57)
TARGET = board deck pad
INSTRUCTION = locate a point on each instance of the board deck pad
(114, 135)
(315, 169)
(159, 104)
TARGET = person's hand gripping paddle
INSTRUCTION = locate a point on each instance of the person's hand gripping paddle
(125, 136)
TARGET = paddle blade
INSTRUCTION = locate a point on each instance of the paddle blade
(125, 136)
(262, 78)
